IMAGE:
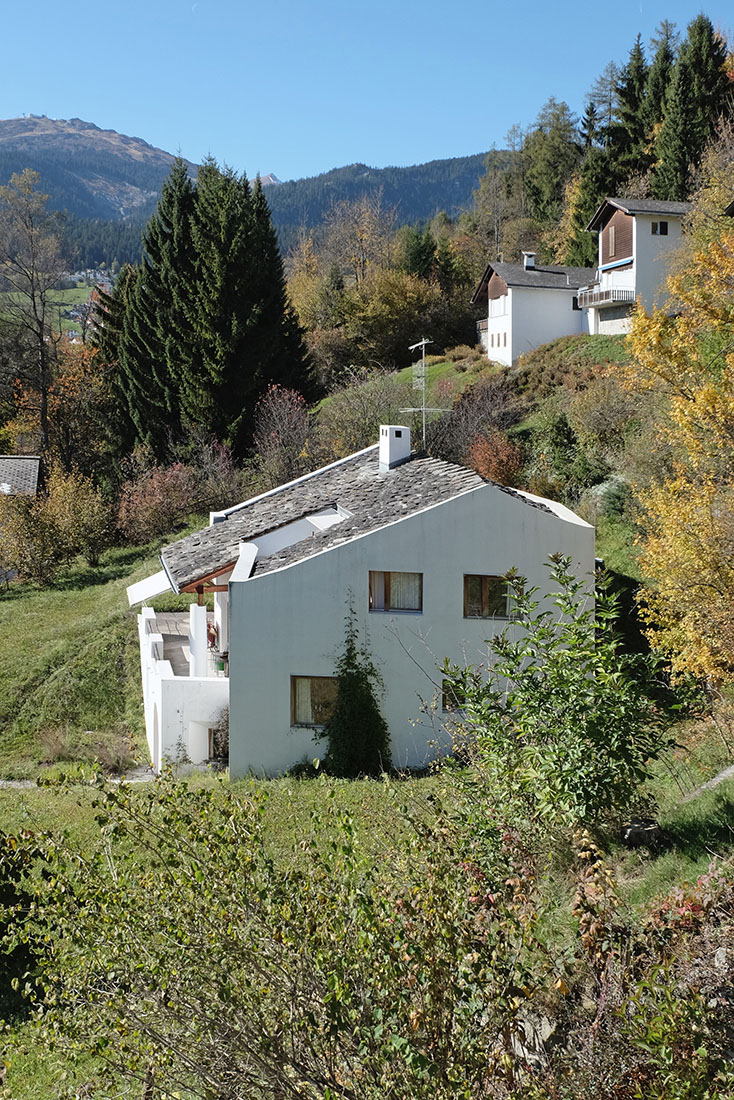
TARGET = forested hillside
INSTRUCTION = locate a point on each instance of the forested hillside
(416, 193)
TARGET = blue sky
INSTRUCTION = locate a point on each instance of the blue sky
(296, 88)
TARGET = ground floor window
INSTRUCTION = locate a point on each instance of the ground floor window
(485, 597)
(396, 591)
(312, 699)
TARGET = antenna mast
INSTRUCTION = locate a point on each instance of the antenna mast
(419, 382)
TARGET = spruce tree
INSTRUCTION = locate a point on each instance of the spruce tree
(604, 95)
(628, 132)
(658, 79)
(695, 102)
(589, 128)
(203, 325)
(247, 332)
(597, 179)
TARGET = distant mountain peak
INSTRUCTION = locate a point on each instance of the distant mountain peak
(86, 170)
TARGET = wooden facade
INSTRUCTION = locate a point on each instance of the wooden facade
(497, 286)
(616, 238)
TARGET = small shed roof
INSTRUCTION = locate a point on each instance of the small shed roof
(19, 474)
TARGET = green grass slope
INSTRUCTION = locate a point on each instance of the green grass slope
(69, 669)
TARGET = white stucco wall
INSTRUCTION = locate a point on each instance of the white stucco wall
(539, 316)
(291, 622)
(652, 257)
(499, 327)
(179, 710)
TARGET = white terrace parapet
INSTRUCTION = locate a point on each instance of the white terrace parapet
(179, 710)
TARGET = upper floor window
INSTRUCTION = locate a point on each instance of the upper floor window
(396, 591)
(312, 699)
(485, 597)
(612, 240)
(659, 229)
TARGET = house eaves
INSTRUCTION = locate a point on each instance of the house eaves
(636, 206)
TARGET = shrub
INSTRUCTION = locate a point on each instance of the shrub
(30, 541)
(563, 727)
(356, 734)
(155, 501)
(190, 961)
(81, 515)
(281, 435)
(494, 455)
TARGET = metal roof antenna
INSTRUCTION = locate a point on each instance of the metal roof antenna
(419, 383)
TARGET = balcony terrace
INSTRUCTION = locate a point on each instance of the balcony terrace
(604, 296)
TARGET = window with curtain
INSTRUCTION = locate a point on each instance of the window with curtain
(485, 597)
(312, 699)
(396, 591)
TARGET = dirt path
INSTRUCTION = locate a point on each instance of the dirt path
(728, 773)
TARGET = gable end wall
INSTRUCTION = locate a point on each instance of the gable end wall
(623, 227)
(291, 622)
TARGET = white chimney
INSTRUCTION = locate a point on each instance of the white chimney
(528, 261)
(394, 446)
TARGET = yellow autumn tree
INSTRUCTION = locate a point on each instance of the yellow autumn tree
(687, 549)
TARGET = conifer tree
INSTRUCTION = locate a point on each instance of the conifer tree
(628, 134)
(589, 128)
(202, 327)
(658, 78)
(604, 96)
(693, 106)
(596, 181)
(357, 736)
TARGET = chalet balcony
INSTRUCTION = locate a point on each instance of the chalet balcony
(482, 325)
(604, 296)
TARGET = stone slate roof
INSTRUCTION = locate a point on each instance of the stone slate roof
(542, 276)
(355, 485)
(19, 474)
(638, 206)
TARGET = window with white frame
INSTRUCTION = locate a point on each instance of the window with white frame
(313, 699)
(612, 239)
(396, 591)
(485, 597)
(659, 229)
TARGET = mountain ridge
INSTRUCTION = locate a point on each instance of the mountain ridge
(97, 174)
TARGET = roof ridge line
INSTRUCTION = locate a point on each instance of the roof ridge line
(225, 513)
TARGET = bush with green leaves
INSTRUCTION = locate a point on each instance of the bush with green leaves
(562, 725)
(187, 960)
(38, 534)
(356, 734)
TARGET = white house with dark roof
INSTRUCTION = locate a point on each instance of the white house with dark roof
(636, 238)
(528, 304)
(418, 547)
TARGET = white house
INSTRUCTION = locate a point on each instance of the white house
(418, 547)
(636, 237)
(528, 304)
